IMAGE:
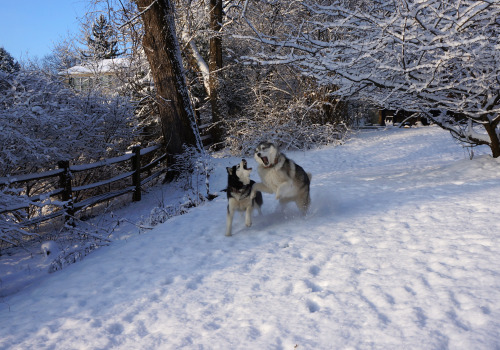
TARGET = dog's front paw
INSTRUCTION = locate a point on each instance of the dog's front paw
(228, 234)
(248, 223)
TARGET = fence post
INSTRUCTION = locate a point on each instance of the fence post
(136, 176)
(67, 193)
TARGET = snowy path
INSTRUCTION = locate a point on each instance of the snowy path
(401, 250)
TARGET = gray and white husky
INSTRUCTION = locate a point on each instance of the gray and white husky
(239, 190)
(282, 176)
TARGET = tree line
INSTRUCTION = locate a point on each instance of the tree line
(433, 58)
(293, 71)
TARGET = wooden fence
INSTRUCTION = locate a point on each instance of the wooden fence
(206, 136)
(68, 205)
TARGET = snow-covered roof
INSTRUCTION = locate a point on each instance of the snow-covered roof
(104, 66)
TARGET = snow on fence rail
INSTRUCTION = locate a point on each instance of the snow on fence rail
(206, 135)
(69, 206)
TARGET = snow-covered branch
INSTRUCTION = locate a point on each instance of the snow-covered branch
(412, 55)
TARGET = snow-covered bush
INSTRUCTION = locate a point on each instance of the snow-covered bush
(43, 122)
(49, 248)
(71, 256)
(288, 134)
(193, 169)
(284, 108)
(10, 233)
(163, 212)
(160, 214)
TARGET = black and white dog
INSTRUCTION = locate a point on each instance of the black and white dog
(239, 189)
(282, 176)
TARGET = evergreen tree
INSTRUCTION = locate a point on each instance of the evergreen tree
(7, 62)
(101, 43)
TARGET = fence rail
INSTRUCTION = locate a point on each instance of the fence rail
(206, 135)
(68, 205)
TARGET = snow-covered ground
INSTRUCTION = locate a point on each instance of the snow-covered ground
(401, 250)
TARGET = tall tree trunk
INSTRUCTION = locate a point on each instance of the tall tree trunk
(494, 141)
(163, 53)
(215, 64)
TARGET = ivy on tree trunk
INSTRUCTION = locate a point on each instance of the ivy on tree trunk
(163, 53)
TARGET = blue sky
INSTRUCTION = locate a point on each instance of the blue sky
(30, 28)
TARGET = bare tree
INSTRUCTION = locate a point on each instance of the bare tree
(163, 53)
(200, 24)
(215, 65)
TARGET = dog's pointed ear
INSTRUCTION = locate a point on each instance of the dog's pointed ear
(229, 170)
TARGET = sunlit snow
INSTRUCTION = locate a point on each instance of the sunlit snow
(400, 250)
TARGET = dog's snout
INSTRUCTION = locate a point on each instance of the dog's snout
(258, 154)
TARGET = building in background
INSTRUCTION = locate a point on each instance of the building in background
(106, 74)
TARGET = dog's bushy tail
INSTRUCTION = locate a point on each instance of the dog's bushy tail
(258, 199)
